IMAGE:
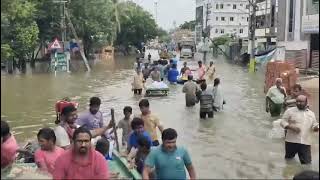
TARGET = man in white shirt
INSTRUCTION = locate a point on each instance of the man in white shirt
(300, 123)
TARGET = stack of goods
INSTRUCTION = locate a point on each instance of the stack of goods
(280, 69)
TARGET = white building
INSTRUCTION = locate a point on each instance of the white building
(266, 23)
(224, 17)
(298, 31)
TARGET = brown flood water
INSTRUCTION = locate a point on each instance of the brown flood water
(236, 143)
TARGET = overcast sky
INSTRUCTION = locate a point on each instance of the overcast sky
(170, 10)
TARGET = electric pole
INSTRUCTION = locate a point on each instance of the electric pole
(252, 65)
(156, 10)
(206, 34)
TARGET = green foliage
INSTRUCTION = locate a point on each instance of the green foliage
(190, 25)
(20, 31)
(138, 25)
(222, 40)
(6, 52)
(27, 23)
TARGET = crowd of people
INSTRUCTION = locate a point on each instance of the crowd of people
(81, 144)
(297, 119)
(78, 147)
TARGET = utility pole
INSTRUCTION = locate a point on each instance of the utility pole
(63, 26)
(253, 4)
(206, 34)
(156, 10)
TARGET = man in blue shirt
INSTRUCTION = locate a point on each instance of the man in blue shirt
(173, 74)
(168, 159)
(137, 126)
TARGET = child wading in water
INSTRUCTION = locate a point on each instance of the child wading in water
(125, 125)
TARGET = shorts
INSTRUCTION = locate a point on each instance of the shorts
(304, 152)
(137, 91)
(203, 115)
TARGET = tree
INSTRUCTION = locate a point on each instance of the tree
(138, 26)
(20, 31)
(190, 25)
(92, 18)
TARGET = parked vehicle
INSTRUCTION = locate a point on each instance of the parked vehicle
(186, 53)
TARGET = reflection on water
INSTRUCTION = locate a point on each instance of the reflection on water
(236, 143)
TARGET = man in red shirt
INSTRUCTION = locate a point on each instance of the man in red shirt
(81, 161)
(9, 145)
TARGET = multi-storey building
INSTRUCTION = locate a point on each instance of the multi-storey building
(266, 23)
(223, 17)
(298, 31)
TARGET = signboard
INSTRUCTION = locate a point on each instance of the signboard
(59, 62)
(310, 24)
(55, 45)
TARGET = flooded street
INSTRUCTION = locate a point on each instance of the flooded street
(236, 143)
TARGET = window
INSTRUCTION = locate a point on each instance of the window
(247, 6)
(241, 31)
(291, 16)
(241, 4)
(272, 15)
(247, 19)
(221, 6)
(234, 6)
(231, 18)
(222, 19)
(217, 6)
(222, 31)
(217, 18)
(217, 31)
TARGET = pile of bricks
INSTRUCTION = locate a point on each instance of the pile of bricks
(279, 69)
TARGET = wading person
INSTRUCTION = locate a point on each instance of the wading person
(46, 156)
(137, 83)
(201, 72)
(173, 74)
(190, 88)
(9, 146)
(66, 126)
(169, 160)
(218, 99)
(151, 122)
(82, 161)
(125, 124)
(183, 69)
(211, 71)
(275, 98)
(93, 117)
(145, 71)
(149, 58)
(206, 102)
(137, 126)
(155, 74)
(291, 101)
(300, 123)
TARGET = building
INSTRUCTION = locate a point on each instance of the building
(298, 32)
(223, 17)
(266, 24)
